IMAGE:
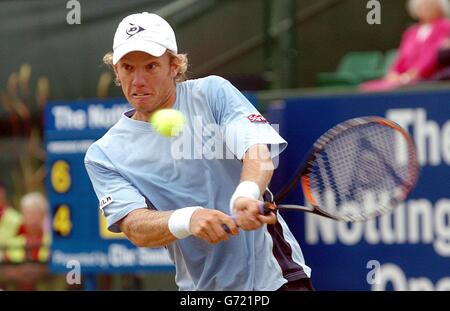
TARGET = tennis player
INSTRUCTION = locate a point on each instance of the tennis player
(179, 192)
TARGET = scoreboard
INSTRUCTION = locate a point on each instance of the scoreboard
(78, 226)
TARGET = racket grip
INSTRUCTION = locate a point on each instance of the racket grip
(226, 228)
(265, 208)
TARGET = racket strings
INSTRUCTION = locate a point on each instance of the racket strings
(361, 172)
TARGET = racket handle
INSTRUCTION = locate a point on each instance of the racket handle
(265, 208)
(226, 228)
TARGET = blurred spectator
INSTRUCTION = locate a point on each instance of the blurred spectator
(10, 220)
(443, 59)
(417, 54)
(28, 252)
(33, 238)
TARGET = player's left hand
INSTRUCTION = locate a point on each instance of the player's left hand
(248, 216)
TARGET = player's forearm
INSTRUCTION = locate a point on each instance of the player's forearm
(147, 228)
(258, 166)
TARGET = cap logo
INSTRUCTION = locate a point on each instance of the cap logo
(133, 29)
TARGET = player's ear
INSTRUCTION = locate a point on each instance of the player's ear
(116, 80)
(174, 72)
(174, 69)
(174, 65)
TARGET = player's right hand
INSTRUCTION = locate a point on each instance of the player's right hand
(207, 224)
(248, 214)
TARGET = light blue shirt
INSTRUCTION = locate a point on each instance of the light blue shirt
(133, 167)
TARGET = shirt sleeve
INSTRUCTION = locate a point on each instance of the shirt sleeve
(117, 196)
(242, 125)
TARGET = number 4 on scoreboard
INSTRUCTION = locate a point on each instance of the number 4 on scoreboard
(62, 221)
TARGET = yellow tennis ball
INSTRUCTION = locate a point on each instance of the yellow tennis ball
(168, 122)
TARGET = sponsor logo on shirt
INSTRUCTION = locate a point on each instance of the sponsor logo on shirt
(105, 201)
(257, 118)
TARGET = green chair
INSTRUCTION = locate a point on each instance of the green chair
(385, 65)
(389, 59)
(354, 68)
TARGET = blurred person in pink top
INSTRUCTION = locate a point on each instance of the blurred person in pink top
(417, 55)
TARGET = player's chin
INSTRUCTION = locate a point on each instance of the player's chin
(141, 101)
(143, 106)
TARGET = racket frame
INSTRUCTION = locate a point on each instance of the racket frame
(302, 175)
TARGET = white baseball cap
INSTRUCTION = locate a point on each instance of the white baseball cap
(145, 32)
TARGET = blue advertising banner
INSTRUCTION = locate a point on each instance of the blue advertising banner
(80, 237)
(408, 249)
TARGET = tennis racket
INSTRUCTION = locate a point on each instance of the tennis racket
(357, 170)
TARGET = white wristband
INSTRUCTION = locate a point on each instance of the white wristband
(180, 221)
(247, 189)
